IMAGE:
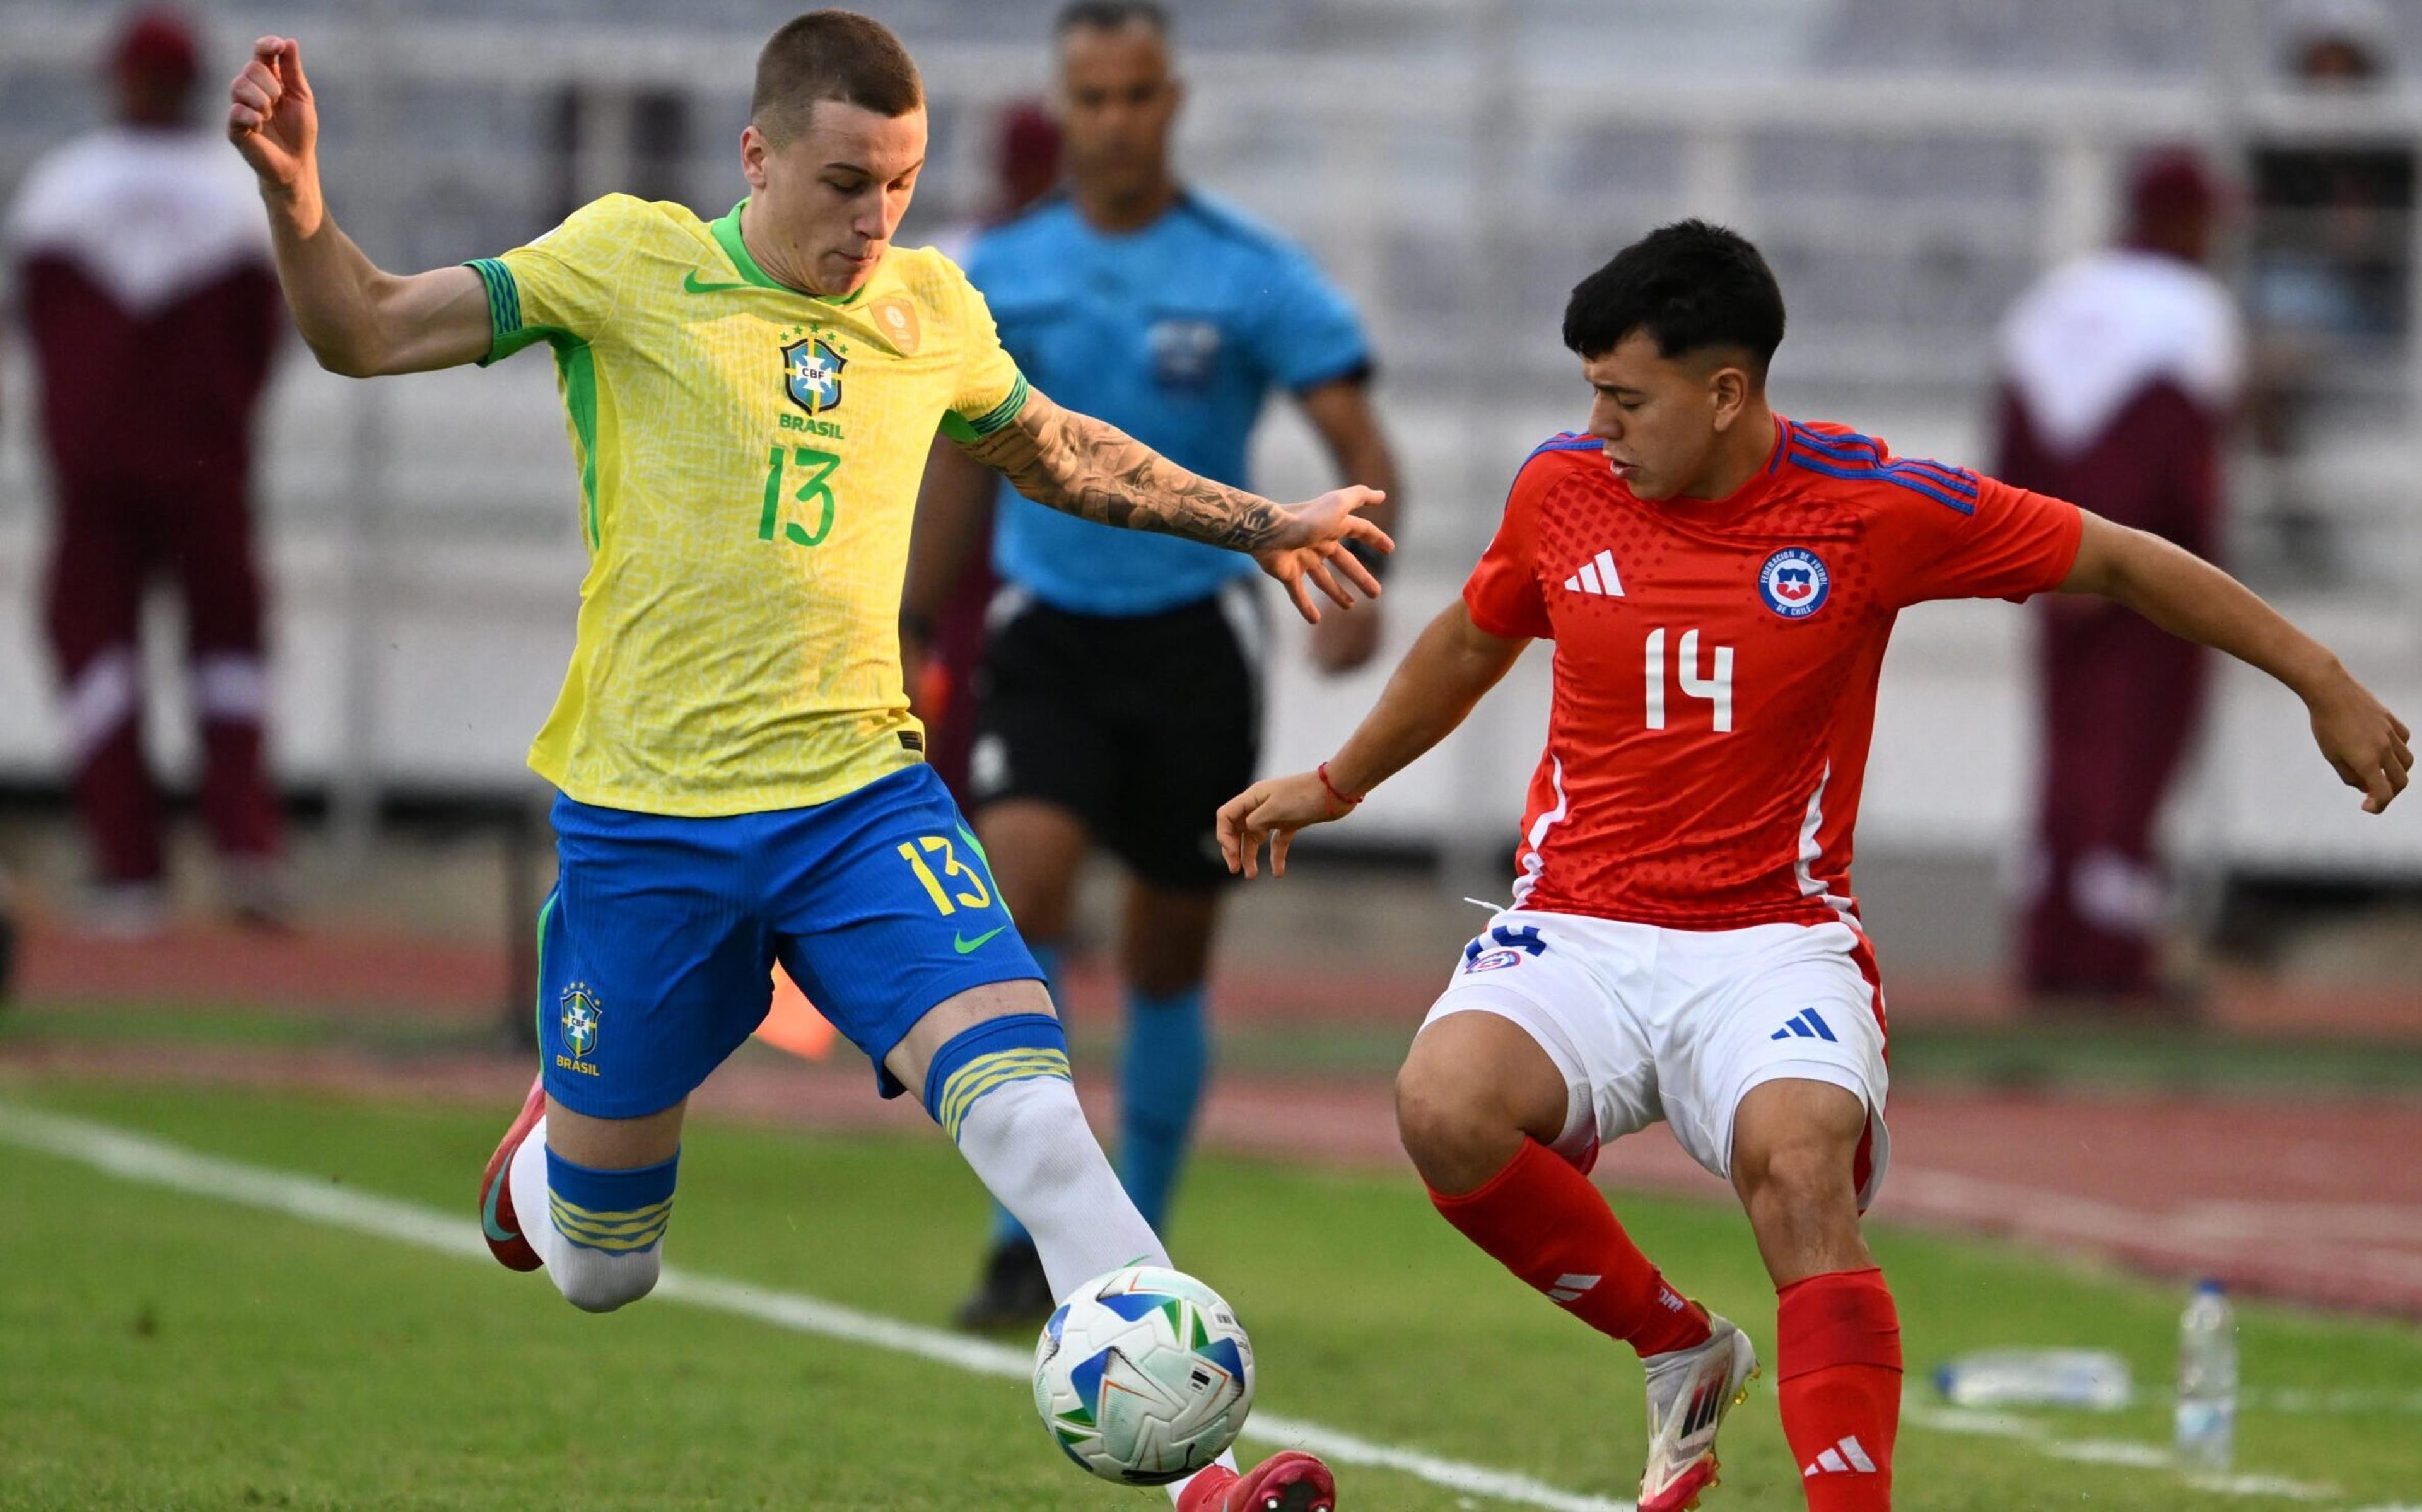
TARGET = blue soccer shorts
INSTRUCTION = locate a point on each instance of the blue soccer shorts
(657, 946)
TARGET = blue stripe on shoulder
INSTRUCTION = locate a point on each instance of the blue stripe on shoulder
(1959, 480)
(1864, 457)
(1849, 447)
(1857, 448)
(1568, 440)
(1914, 482)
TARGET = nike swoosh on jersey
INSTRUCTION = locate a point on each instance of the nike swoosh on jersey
(690, 285)
(963, 944)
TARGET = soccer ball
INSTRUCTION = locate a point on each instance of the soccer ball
(1143, 1376)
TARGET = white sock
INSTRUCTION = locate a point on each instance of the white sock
(591, 1280)
(1029, 1142)
(525, 1183)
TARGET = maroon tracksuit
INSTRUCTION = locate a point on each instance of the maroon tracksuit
(2118, 405)
(153, 310)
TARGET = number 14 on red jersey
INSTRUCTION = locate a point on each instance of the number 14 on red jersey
(1715, 687)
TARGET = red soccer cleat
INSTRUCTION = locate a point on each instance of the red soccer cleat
(497, 1219)
(1288, 1481)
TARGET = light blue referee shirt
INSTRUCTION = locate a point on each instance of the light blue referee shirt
(1176, 334)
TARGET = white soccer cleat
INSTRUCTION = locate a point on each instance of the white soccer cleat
(1689, 1391)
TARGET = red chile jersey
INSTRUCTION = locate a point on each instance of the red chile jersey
(1716, 663)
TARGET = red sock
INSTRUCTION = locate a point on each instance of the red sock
(1837, 1365)
(1544, 1221)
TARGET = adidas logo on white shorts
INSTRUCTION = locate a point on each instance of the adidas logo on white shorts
(1597, 576)
(1848, 1458)
(1808, 1024)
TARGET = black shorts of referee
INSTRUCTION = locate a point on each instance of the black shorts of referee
(1140, 724)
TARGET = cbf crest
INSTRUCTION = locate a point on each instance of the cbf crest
(1794, 582)
(812, 374)
(581, 1016)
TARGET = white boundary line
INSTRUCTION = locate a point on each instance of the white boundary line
(136, 1157)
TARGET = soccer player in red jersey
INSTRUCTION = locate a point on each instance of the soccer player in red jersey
(1719, 582)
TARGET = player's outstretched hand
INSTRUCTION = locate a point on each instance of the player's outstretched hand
(271, 117)
(2366, 743)
(1309, 551)
(1274, 809)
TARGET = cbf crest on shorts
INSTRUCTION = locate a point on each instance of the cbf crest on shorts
(581, 1016)
(1794, 582)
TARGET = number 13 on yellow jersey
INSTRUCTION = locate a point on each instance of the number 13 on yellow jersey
(813, 472)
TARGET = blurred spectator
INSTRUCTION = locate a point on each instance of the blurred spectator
(2330, 257)
(2330, 245)
(1026, 163)
(2338, 43)
(143, 271)
(2118, 372)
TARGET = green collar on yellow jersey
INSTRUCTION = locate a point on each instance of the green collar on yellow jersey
(726, 234)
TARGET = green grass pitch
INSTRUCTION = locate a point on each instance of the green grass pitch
(161, 1349)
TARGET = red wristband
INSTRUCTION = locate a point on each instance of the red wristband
(1322, 773)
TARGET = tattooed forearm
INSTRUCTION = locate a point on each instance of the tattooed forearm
(1091, 469)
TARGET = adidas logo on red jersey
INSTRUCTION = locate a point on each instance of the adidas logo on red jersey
(1597, 576)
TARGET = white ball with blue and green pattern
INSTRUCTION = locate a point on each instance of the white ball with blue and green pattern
(1143, 1376)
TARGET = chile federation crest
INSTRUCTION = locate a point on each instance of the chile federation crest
(1794, 582)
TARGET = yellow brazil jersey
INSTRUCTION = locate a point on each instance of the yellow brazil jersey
(749, 458)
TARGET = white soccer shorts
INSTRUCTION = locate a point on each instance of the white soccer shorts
(1647, 1023)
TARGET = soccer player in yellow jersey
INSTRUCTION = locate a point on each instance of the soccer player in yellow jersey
(750, 403)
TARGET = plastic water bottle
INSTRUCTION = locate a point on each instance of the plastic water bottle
(2093, 1379)
(2206, 1380)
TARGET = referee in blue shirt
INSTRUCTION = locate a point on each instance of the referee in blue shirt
(1119, 699)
